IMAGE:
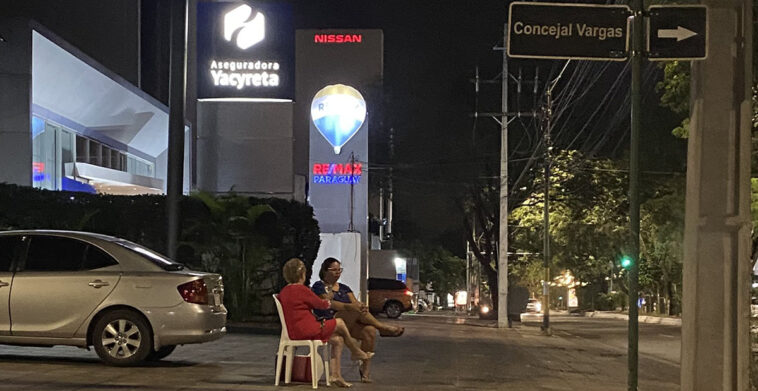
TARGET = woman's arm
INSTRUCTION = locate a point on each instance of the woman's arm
(361, 307)
(314, 301)
(340, 306)
(336, 305)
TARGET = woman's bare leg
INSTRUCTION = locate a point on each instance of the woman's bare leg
(368, 339)
(369, 319)
(337, 344)
(365, 318)
(355, 349)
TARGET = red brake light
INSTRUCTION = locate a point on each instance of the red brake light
(195, 292)
(409, 293)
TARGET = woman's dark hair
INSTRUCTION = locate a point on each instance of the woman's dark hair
(326, 265)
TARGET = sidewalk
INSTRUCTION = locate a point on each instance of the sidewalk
(666, 320)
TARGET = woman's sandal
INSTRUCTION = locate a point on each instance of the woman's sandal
(368, 356)
(364, 379)
(339, 382)
(396, 333)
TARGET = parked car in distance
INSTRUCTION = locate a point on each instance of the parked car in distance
(534, 306)
(84, 289)
(389, 296)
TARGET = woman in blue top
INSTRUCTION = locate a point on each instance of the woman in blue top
(361, 324)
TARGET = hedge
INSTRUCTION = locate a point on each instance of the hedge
(245, 239)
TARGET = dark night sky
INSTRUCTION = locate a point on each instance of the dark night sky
(431, 51)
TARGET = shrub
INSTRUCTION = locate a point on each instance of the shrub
(246, 240)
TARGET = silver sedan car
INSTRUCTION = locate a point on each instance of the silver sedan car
(83, 289)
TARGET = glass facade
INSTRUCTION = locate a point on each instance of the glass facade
(53, 146)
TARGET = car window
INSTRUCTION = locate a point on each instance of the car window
(96, 258)
(8, 247)
(385, 283)
(150, 255)
(55, 253)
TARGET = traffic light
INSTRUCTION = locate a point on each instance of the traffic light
(626, 262)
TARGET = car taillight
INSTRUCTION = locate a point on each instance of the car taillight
(195, 292)
(409, 293)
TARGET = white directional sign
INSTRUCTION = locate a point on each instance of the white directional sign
(677, 32)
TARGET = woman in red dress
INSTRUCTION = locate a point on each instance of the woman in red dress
(297, 302)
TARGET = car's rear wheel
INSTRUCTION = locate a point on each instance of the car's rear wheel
(161, 353)
(393, 309)
(122, 338)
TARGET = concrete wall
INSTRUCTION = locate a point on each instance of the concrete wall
(15, 102)
(245, 146)
(345, 247)
(382, 264)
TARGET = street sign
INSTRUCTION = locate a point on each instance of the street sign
(677, 32)
(568, 31)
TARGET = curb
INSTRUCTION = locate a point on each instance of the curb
(642, 318)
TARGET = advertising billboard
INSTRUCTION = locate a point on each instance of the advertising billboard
(245, 50)
(339, 75)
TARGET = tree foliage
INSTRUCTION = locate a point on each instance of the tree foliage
(589, 228)
(439, 267)
(588, 218)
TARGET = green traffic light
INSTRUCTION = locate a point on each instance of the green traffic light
(626, 262)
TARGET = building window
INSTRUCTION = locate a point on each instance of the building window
(44, 167)
(95, 153)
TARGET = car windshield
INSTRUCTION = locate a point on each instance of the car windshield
(152, 256)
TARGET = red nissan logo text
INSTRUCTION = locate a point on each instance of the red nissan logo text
(338, 38)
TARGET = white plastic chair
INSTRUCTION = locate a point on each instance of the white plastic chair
(287, 348)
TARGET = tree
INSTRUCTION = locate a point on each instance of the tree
(481, 221)
(437, 266)
(661, 252)
(588, 221)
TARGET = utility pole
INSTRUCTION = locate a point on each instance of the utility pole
(502, 119)
(547, 116)
(634, 201)
(350, 225)
(502, 264)
(177, 99)
(546, 217)
(391, 195)
(381, 213)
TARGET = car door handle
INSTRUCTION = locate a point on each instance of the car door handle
(98, 284)
(2, 284)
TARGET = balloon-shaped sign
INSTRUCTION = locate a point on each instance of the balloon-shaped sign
(338, 111)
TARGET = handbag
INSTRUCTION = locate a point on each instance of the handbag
(301, 368)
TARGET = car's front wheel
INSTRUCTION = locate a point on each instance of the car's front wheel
(122, 338)
(161, 353)
(393, 309)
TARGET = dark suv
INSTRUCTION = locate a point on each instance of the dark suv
(389, 296)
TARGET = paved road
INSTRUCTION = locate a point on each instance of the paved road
(438, 352)
(656, 341)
